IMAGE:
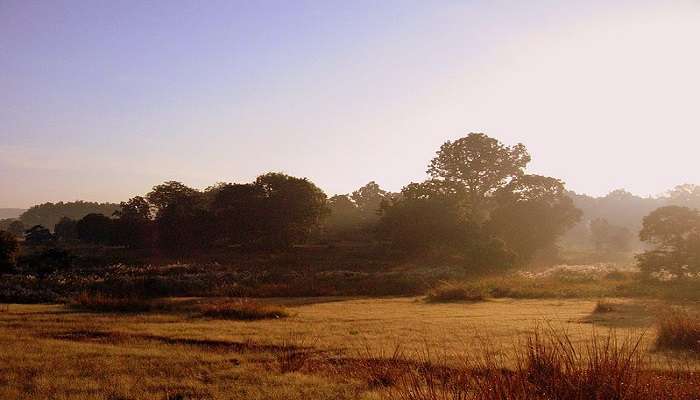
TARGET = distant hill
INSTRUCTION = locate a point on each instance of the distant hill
(10, 212)
(48, 214)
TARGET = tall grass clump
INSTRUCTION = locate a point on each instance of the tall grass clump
(243, 309)
(679, 331)
(448, 292)
(549, 365)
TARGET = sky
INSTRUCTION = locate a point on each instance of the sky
(102, 100)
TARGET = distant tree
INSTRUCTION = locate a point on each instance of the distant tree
(675, 233)
(531, 212)
(95, 229)
(48, 214)
(368, 200)
(66, 229)
(237, 211)
(38, 235)
(294, 207)
(9, 250)
(686, 195)
(344, 219)
(480, 165)
(608, 238)
(182, 219)
(16, 228)
(134, 226)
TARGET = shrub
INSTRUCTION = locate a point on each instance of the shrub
(603, 306)
(454, 292)
(243, 309)
(98, 302)
(679, 331)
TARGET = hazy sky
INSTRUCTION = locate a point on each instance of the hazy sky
(101, 100)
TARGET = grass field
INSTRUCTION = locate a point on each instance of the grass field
(52, 351)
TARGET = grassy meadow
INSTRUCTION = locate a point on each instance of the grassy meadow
(320, 348)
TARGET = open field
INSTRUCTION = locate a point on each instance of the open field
(52, 351)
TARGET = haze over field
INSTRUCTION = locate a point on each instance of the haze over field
(100, 101)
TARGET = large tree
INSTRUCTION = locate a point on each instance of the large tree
(294, 207)
(480, 165)
(531, 212)
(675, 233)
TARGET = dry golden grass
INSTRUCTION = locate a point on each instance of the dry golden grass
(244, 310)
(326, 349)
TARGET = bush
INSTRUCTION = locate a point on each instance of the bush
(679, 331)
(454, 292)
(98, 302)
(603, 306)
(243, 309)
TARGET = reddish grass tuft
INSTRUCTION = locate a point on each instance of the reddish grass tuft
(679, 331)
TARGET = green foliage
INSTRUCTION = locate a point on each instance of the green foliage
(9, 250)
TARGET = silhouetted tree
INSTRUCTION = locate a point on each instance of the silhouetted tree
(95, 229)
(237, 210)
(134, 226)
(293, 208)
(9, 250)
(181, 217)
(531, 212)
(480, 165)
(38, 235)
(675, 233)
(66, 229)
(368, 200)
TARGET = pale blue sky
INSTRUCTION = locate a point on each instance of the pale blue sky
(101, 100)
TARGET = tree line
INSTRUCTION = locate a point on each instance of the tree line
(478, 204)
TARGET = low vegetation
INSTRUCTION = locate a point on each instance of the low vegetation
(97, 302)
(679, 331)
(243, 309)
(448, 291)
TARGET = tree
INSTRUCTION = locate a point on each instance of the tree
(66, 229)
(133, 226)
(675, 233)
(531, 212)
(182, 220)
(95, 229)
(16, 228)
(9, 250)
(38, 235)
(608, 238)
(344, 218)
(368, 200)
(480, 165)
(293, 208)
(237, 210)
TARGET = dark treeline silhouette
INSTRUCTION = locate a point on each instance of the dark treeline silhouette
(478, 207)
